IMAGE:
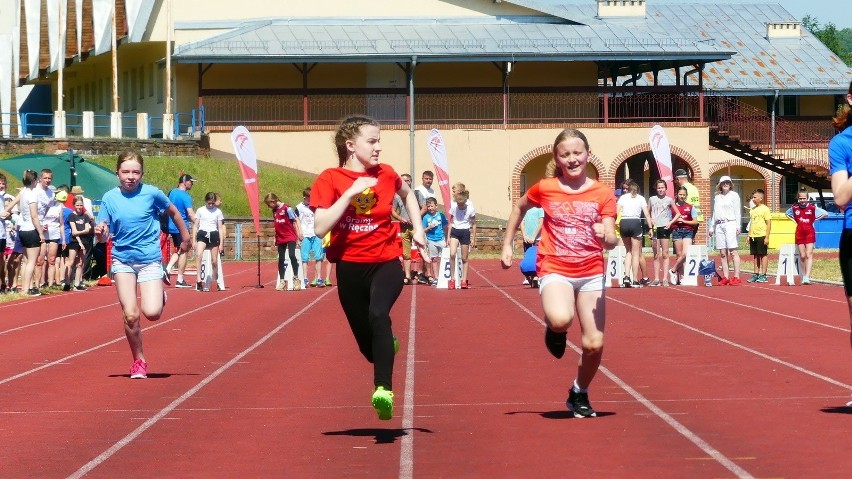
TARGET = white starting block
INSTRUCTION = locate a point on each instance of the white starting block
(695, 254)
(288, 274)
(206, 265)
(445, 272)
(789, 264)
(615, 265)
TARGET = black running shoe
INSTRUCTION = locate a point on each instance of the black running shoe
(578, 403)
(555, 342)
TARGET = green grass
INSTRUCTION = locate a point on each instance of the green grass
(221, 176)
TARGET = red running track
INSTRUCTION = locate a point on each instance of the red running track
(748, 381)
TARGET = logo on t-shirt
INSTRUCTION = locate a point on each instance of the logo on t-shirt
(364, 202)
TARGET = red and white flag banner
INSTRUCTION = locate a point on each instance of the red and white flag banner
(662, 153)
(247, 156)
(438, 150)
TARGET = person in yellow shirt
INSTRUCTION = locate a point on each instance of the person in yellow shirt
(758, 236)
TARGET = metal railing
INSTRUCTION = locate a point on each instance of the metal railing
(525, 107)
(41, 125)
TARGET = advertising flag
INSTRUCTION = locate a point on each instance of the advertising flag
(442, 170)
(662, 153)
(244, 149)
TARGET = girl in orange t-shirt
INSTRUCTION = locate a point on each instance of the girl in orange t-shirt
(354, 203)
(579, 223)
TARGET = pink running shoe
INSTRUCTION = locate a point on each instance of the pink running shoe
(139, 370)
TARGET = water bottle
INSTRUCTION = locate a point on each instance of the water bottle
(708, 280)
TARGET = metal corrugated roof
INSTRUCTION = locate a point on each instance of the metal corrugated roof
(796, 66)
(730, 37)
(458, 39)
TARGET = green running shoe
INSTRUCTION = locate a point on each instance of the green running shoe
(383, 403)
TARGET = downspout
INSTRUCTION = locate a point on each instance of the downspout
(411, 115)
(774, 190)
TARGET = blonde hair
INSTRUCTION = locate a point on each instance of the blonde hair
(348, 130)
(551, 170)
(461, 197)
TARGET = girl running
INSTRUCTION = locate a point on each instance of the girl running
(579, 223)
(208, 231)
(354, 202)
(130, 214)
(840, 160)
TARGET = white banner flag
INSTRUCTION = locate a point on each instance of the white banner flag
(662, 153)
(102, 12)
(32, 9)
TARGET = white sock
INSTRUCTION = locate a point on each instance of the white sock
(180, 278)
(577, 389)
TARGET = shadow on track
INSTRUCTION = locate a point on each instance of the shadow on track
(382, 436)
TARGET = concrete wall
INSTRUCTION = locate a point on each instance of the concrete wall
(489, 162)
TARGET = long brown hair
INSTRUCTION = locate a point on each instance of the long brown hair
(843, 117)
(349, 129)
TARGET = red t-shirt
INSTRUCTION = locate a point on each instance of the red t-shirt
(568, 245)
(365, 232)
(804, 216)
(685, 211)
(285, 231)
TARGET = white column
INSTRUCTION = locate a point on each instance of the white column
(88, 124)
(168, 126)
(142, 132)
(59, 130)
(115, 124)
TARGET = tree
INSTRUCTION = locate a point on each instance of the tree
(838, 41)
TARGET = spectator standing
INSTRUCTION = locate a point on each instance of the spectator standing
(760, 219)
(82, 240)
(727, 225)
(288, 232)
(683, 232)
(208, 231)
(406, 232)
(805, 214)
(180, 198)
(462, 235)
(311, 243)
(435, 226)
(631, 207)
(663, 215)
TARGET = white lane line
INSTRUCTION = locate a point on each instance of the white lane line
(158, 324)
(191, 392)
(762, 310)
(406, 453)
(76, 313)
(740, 346)
(723, 460)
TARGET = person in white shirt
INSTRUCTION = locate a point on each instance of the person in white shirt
(726, 224)
(311, 243)
(631, 206)
(208, 229)
(49, 215)
(462, 232)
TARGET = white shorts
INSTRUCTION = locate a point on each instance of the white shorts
(144, 271)
(725, 234)
(589, 283)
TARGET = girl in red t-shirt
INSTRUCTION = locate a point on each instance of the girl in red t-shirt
(579, 223)
(354, 203)
(288, 232)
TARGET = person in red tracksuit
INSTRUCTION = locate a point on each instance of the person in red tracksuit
(805, 214)
(288, 231)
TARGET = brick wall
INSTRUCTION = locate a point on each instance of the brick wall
(105, 146)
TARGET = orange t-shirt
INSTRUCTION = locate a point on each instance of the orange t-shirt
(568, 245)
(365, 233)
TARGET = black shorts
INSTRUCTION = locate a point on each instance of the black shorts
(63, 251)
(29, 239)
(631, 227)
(757, 247)
(73, 245)
(210, 238)
(462, 235)
(662, 233)
(176, 240)
(846, 260)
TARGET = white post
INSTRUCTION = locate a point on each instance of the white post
(142, 132)
(695, 254)
(789, 264)
(447, 272)
(115, 124)
(615, 265)
(168, 126)
(59, 128)
(88, 124)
